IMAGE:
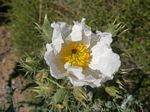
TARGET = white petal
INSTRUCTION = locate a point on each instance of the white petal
(97, 82)
(46, 56)
(74, 70)
(57, 37)
(65, 29)
(60, 32)
(87, 35)
(76, 82)
(88, 81)
(91, 78)
(81, 32)
(110, 64)
(86, 29)
(94, 39)
(76, 34)
(104, 59)
(56, 68)
(105, 38)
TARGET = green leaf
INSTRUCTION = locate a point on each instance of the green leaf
(116, 28)
(47, 30)
(59, 96)
(43, 90)
(80, 95)
(112, 91)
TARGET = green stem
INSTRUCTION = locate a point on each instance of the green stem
(54, 82)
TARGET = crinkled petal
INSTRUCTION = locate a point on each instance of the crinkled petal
(81, 32)
(65, 29)
(76, 82)
(88, 81)
(105, 38)
(76, 34)
(103, 58)
(97, 82)
(61, 30)
(74, 70)
(49, 50)
(91, 78)
(86, 38)
(56, 68)
(94, 39)
(91, 81)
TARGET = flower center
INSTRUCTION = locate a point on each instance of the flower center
(77, 54)
(74, 51)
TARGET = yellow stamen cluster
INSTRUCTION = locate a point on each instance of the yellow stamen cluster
(77, 54)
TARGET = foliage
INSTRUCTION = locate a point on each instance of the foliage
(23, 16)
(126, 19)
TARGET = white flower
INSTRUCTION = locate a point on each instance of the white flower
(84, 57)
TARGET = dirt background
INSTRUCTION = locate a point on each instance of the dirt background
(11, 96)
